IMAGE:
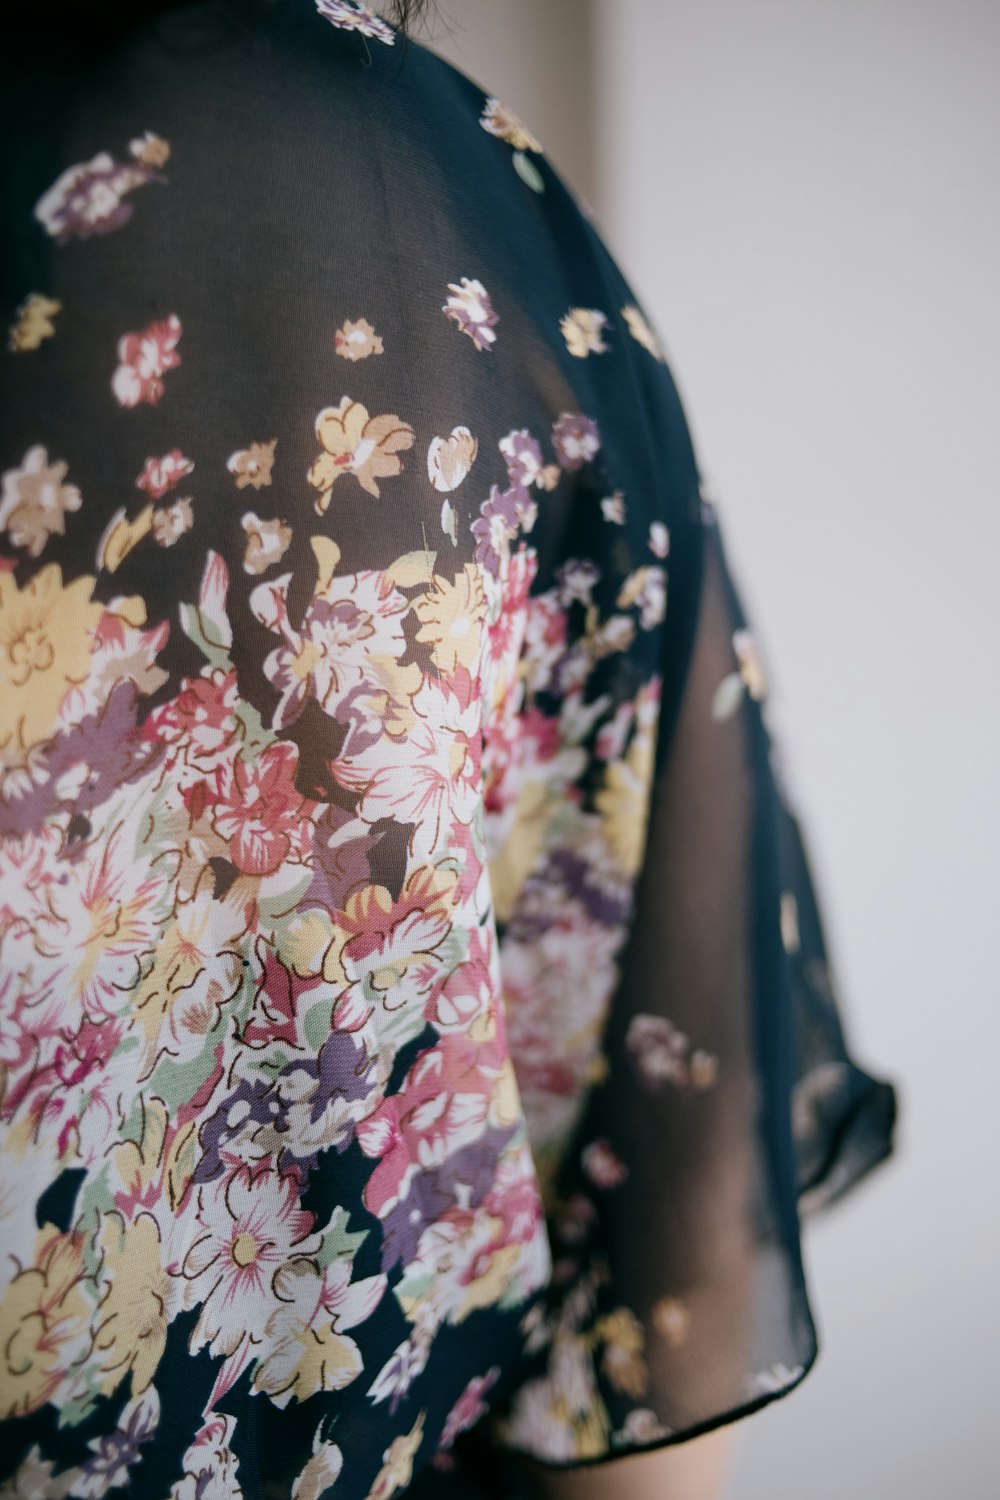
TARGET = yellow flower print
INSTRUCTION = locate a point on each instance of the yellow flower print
(35, 499)
(583, 329)
(131, 1332)
(622, 1361)
(507, 126)
(267, 542)
(45, 644)
(357, 340)
(356, 443)
(641, 331)
(397, 1467)
(623, 804)
(152, 150)
(33, 323)
(671, 1319)
(451, 617)
(44, 1325)
(252, 465)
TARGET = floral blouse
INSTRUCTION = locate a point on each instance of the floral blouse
(417, 1040)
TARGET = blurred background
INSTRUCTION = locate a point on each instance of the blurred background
(803, 194)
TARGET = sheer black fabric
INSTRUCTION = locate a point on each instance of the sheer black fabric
(419, 1043)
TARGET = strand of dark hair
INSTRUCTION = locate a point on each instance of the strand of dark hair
(406, 13)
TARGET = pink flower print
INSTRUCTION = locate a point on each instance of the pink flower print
(470, 307)
(259, 810)
(160, 475)
(602, 1165)
(466, 1412)
(441, 1107)
(200, 723)
(575, 438)
(144, 358)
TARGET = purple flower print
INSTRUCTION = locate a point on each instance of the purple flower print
(470, 307)
(575, 439)
(88, 197)
(499, 518)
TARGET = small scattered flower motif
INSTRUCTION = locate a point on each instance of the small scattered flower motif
(351, 15)
(171, 522)
(622, 1361)
(646, 587)
(88, 198)
(356, 443)
(449, 521)
(778, 1378)
(641, 331)
(751, 666)
(507, 126)
(602, 1164)
(33, 323)
(152, 150)
(449, 459)
(34, 500)
(659, 539)
(789, 922)
(703, 1069)
(523, 456)
(660, 1053)
(466, 1412)
(613, 507)
(357, 340)
(671, 1319)
(749, 678)
(575, 438)
(583, 329)
(144, 359)
(397, 1465)
(495, 526)
(252, 465)
(470, 307)
(641, 1426)
(160, 475)
(267, 542)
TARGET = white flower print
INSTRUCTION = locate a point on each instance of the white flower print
(351, 15)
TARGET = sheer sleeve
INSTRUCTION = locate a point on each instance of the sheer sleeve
(730, 1105)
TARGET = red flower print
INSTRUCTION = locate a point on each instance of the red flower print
(258, 809)
(201, 721)
(160, 475)
(143, 360)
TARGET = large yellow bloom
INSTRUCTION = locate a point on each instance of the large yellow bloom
(45, 644)
(43, 1323)
(623, 803)
(131, 1333)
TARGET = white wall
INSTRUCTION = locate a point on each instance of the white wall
(805, 192)
(804, 195)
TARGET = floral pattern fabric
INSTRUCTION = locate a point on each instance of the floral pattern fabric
(416, 1032)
